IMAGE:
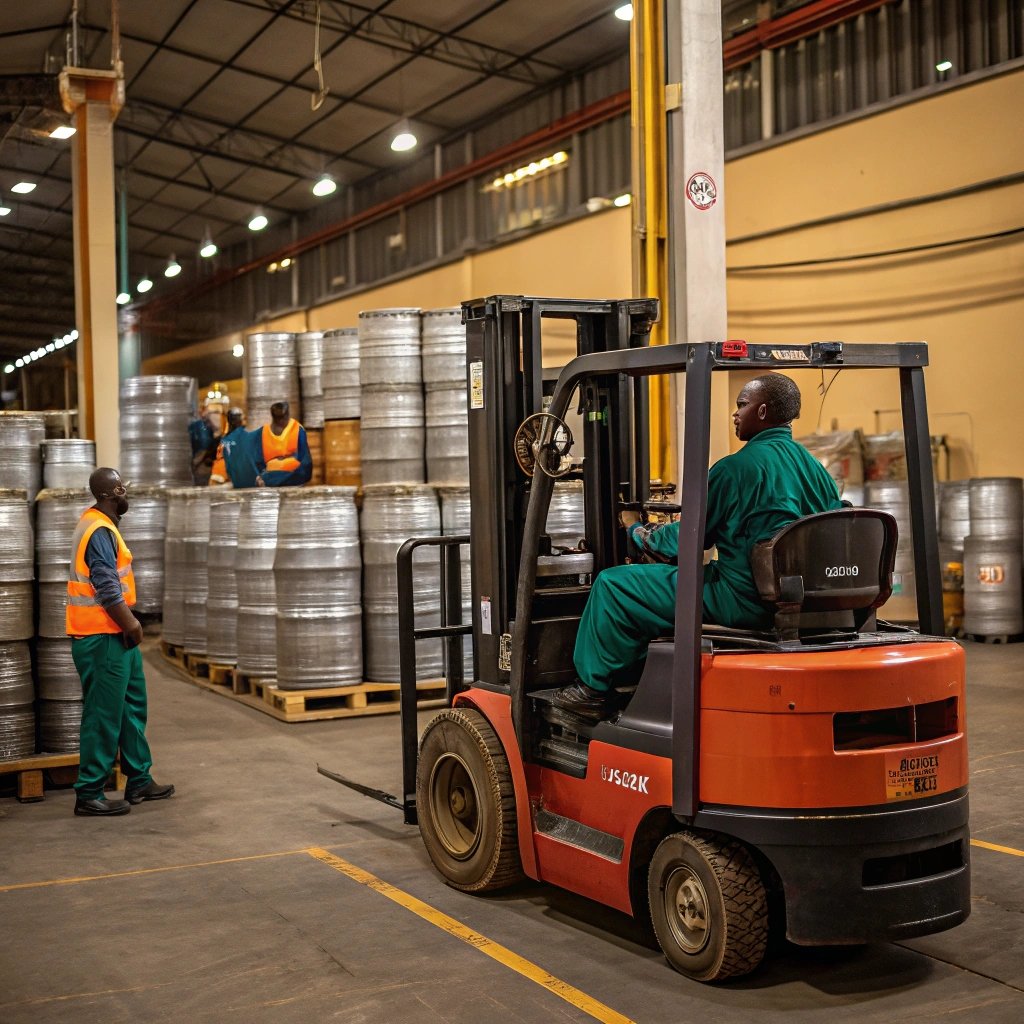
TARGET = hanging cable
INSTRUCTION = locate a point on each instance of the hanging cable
(317, 99)
(823, 391)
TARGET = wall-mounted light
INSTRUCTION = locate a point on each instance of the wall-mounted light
(530, 170)
(173, 268)
(23, 187)
(403, 138)
(624, 13)
(238, 351)
(325, 185)
(123, 298)
(944, 65)
(258, 221)
(144, 285)
(62, 131)
(624, 200)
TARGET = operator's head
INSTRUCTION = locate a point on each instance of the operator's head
(110, 492)
(235, 417)
(770, 400)
(280, 412)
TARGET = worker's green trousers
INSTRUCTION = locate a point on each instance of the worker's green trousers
(113, 713)
(629, 606)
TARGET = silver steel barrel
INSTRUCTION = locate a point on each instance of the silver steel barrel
(565, 514)
(391, 434)
(21, 435)
(997, 506)
(269, 366)
(60, 724)
(17, 547)
(447, 434)
(254, 573)
(68, 462)
(16, 611)
(175, 582)
(992, 586)
(196, 552)
(893, 496)
(57, 514)
(56, 675)
(155, 415)
(444, 347)
(222, 607)
(144, 529)
(389, 347)
(455, 520)
(17, 719)
(955, 513)
(390, 515)
(310, 346)
(317, 575)
(340, 374)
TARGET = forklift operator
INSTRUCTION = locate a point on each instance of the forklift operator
(752, 494)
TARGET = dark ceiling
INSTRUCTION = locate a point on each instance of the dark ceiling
(220, 117)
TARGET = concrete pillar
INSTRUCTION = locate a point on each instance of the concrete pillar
(95, 98)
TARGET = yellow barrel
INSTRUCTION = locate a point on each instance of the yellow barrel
(314, 438)
(341, 453)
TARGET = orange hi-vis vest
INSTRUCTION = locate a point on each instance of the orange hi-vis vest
(219, 472)
(279, 449)
(85, 616)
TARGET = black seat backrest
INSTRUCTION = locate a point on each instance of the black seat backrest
(830, 569)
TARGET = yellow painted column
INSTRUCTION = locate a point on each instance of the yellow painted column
(95, 98)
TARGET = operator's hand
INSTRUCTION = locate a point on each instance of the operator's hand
(132, 636)
(259, 482)
(629, 517)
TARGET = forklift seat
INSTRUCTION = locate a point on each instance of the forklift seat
(827, 571)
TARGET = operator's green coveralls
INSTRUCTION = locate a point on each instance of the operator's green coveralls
(752, 494)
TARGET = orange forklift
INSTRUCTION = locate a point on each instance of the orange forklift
(811, 778)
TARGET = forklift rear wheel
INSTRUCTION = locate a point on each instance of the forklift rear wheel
(466, 803)
(708, 906)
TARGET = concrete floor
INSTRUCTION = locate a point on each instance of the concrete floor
(189, 929)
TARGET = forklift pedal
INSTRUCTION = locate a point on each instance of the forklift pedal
(565, 755)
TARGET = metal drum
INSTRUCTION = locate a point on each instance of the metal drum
(315, 441)
(341, 453)
(155, 445)
(222, 607)
(390, 515)
(196, 550)
(17, 720)
(447, 434)
(270, 376)
(391, 435)
(997, 507)
(68, 462)
(339, 374)
(17, 550)
(144, 529)
(565, 514)
(317, 575)
(16, 611)
(444, 347)
(455, 519)
(254, 573)
(892, 496)
(21, 435)
(955, 513)
(389, 348)
(992, 586)
(60, 725)
(175, 582)
(57, 516)
(310, 346)
(56, 676)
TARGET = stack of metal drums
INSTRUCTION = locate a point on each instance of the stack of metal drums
(565, 514)
(893, 496)
(391, 514)
(992, 558)
(17, 718)
(196, 552)
(455, 520)
(57, 516)
(144, 529)
(68, 462)
(444, 380)
(21, 435)
(254, 573)
(60, 696)
(222, 607)
(340, 374)
(954, 526)
(155, 414)
(317, 575)
(175, 582)
(310, 350)
(391, 383)
(270, 372)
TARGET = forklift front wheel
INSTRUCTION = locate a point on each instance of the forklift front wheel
(466, 803)
(708, 906)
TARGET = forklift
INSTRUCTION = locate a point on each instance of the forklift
(809, 779)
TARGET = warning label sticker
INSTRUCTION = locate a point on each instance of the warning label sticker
(476, 385)
(907, 778)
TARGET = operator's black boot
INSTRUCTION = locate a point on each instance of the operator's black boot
(584, 701)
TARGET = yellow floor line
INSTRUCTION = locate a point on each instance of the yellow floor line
(494, 950)
(999, 849)
(146, 871)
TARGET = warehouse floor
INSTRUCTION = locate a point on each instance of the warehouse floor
(212, 907)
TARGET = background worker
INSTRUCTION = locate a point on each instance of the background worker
(770, 482)
(105, 647)
(220, 473)
(204, 434)
(283, 459)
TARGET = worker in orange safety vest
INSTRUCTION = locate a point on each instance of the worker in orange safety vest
(105, 638)
(284, 459)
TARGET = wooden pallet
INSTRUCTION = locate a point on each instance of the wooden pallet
(344, 701)
(978, 638)
(60, 769)
(174, 653)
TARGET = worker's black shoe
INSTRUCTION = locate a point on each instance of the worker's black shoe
(150, 791)
(580, 699)
(101, 807)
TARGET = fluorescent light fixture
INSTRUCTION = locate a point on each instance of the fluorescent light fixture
(73, 335)
(624, 13)
(144, 285)
(9, 368)
(173, 268)
(286, 263)
(51, 347)
(404, 138)
(123, 298)
(944, 65)
(624, 200)
(63, 131)
(59, 343)
(209, 248)
(325, 185)
(238, 351)
(4, 210)
(19, 363)
(258, 221)
(23, 187)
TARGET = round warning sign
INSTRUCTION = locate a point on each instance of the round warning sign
(701, 190)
